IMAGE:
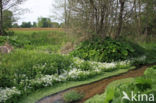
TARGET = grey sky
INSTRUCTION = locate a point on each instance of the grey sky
(37, 8)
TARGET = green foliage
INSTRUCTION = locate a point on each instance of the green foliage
(49, 41)
(8, 19)
(85, 66)
(143, 83)
(12, 40)
(72, 96)
(26, 25)
(22, 64)
(44, 22)
(106, 50)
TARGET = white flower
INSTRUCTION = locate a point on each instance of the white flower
(7, 93)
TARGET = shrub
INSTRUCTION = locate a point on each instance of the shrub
(106, 50)
(72, 96)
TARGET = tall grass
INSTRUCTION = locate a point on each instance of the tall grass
(45, 40)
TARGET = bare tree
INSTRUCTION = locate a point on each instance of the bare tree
(122, 3)
(108, 17)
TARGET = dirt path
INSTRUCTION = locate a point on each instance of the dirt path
(94, 88)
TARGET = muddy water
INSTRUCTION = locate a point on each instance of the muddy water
(94, 88)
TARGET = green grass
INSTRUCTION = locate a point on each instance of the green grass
(48, 41)
(72, 96)
(32, 98)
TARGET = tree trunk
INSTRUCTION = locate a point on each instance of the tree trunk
(1, 18)
(139, 19)
(122, 2)
(65, 11)
(102, 20)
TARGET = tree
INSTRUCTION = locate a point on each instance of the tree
(26, 25)
(34, 24)
(6, 5)
(122, 3)
(8, 18)
(44, 22)
(1, 18)
(149, 17)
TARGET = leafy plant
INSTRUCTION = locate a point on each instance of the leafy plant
(105, 50)
(72, 96)
(143, 84)
(85, 66)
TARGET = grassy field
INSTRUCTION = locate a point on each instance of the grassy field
(41, 39)
(36, 29)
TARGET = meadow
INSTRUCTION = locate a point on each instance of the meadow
(37, 63)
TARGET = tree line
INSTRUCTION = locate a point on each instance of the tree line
(42, 23)
(111, 17)
(10, 22)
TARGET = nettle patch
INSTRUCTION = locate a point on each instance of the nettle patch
(106, 50)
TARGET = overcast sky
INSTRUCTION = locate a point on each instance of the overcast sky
(37, 8)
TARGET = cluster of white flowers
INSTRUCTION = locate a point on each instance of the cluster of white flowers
(99, 66)
(46, 80)
(7, 93)
(76, 73)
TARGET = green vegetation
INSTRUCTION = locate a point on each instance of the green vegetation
(107, 50)
(31, 63)
(29, 67)
(150, 50)
(49, 41)
(145, 84)
(23, 64)
(42, 23)
(72, 96)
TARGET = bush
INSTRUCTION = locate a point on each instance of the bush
(106, 50)
(72, 96)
